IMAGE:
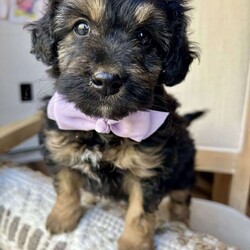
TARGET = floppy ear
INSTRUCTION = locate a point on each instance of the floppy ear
(180, 54)
(177, 63)
(44, 44)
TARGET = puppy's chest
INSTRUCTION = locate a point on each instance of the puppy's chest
(125, 156)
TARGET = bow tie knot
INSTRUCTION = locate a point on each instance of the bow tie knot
(102, 126)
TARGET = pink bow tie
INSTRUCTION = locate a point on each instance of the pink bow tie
(137, 126)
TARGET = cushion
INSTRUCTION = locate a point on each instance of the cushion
(27, 197)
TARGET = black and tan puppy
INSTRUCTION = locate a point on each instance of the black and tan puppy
(110, 60)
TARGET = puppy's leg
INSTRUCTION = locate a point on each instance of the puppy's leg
(139, 226)
(67, 210)
(180, 205)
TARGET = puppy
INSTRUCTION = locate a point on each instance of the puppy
(111, 128)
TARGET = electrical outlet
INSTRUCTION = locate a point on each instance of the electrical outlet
(26, 92)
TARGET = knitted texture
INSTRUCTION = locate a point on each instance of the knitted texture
(26, 198)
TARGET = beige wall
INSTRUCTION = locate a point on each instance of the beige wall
(219, 82)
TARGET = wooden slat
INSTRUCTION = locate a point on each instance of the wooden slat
(15, 133)
(216, 162)
(239, 192)
(221, 186)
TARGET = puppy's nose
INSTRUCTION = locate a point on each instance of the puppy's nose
(108, 84)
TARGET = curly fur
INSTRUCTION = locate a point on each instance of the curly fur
(142, 173)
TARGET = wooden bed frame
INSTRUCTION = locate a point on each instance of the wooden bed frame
(232, 170)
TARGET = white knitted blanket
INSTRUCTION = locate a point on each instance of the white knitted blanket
(26, 198)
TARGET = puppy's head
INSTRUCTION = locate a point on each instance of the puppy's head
(109, 55)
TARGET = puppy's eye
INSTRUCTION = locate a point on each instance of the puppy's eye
(144, 37)
(81, 28)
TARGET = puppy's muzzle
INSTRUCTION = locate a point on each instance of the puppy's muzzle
(107, 83)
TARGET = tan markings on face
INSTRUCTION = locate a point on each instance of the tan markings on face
(64, 53)
(144, 11)
(94, 9)
(139, 73)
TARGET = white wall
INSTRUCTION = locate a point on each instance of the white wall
(18, 65)
(219, 82)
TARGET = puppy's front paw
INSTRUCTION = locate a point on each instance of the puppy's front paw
(62, 220)
(130, 244)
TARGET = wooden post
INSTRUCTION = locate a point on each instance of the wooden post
(241, 179)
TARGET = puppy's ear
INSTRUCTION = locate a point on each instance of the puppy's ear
(180, 54)
(177, 63)
(44, 44)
